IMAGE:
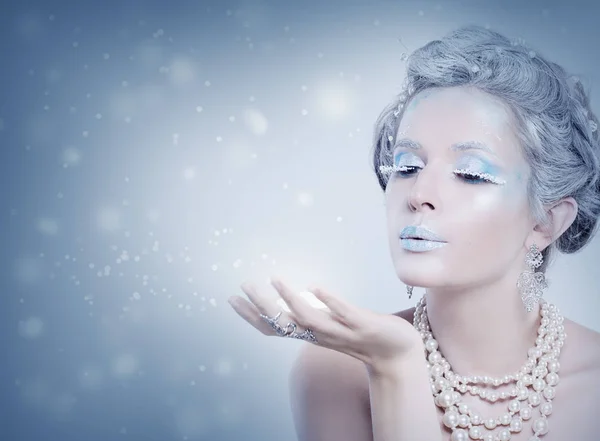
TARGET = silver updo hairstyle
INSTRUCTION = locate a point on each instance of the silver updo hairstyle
(554, 122)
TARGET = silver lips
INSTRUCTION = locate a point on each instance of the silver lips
(420, 239)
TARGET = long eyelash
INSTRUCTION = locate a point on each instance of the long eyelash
(483, 176)
(389, 169)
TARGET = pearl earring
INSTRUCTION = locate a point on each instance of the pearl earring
(409, 291)
(531, 284)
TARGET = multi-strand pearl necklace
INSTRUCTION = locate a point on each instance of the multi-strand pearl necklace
(535, 384)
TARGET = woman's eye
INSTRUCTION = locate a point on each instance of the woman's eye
(478, 178)
(471, 177)
(405, 170)
(402, 170)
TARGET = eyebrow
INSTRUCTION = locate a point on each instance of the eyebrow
(458, 146)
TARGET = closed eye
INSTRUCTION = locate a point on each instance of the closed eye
(402, 170)
(477, 177)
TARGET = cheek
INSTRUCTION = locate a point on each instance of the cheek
(492, 218)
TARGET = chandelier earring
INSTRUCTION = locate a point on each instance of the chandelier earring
(409, 291)
(531, 283)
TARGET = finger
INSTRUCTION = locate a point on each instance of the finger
(250, 313)
(264, 305)
(341, 309)
(301, 310)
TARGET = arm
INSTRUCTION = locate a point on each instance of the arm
(329, 396)
(402, 406)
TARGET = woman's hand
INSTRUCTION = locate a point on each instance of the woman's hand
(381, 341)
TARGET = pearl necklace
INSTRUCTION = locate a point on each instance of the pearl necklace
(535, 383)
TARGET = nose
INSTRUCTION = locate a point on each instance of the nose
(423, 194)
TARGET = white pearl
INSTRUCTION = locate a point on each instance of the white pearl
(523, 394)
(504, 435)
(475, 432)
(527, 380)
(488, 437)
(549, 393)
(434, 357)
(459, 435)
(431, 345)
(516, 425)
(463, 408)
(540, 425)
(514, 405)
(476, 418)
(553, 366)
(445, 399)
(552, 379)
(441, 384)
(450, 419)
(436, 370)
(534, 353)
(535, 399)
(539, 384)
(490, 423)
(463, 420)
(505, 419)
(546, 408)
(525, 413)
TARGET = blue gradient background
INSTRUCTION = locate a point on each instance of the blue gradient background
(155, 155)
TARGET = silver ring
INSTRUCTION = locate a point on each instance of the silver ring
(289, 330)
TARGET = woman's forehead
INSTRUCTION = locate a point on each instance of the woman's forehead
(458, 114)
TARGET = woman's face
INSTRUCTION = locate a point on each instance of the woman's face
(481, 221)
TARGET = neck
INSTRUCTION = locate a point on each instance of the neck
(482, 330)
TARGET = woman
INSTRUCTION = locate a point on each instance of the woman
(489, 160)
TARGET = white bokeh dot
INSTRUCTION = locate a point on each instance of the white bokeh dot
(31, 328)
(256, 121)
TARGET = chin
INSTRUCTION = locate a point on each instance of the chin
(420, 269)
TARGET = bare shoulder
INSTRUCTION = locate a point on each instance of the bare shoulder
(581, 352)
(575, 405)
(329, 395)
(327, 369)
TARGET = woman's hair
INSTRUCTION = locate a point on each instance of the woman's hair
(554, 122)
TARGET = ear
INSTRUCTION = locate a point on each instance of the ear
(560, 215)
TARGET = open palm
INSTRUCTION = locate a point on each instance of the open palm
(378, 340)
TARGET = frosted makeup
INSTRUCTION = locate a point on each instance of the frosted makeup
(455, 164)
